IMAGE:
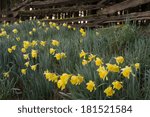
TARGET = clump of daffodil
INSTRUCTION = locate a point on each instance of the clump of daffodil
(83, 32)
(119, 59)
(112, 67)
(117, 85)
(109, 91)
(55, 43)
(3, 33)
(82, 54)
(51, 76)
(90, 86)
(137, 66)
(52, 51)
(43, 43)
(24, 71)
(15, 31)
(11, 49)
(34, 67)
(59, 56)
(126, 71)
(98, 62)
(34, 53)
(62, 82)
(102, 72)
(76, 80)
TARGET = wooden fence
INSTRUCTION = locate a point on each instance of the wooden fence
(85, 13)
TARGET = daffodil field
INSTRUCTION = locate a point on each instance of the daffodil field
(41, 60)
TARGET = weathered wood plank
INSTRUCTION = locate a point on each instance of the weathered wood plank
(123, 5)
(127, 17)
(100, 20)
(23, 4)
(50, 11)
(76, 19)
(48, 3)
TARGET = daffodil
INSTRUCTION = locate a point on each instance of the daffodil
(109, 91)
(34, 29)
(126, 72)
(10, 50)
(74, 28)
(58, 56)
(34, 43)
(26, 44)
(61, 84)
(82, 54)
(18, 38)
(15, 31)
(26, 56)
(98, 62)
(137, 66)
(43, 43)
(13, 47)
(117, 85)
(81, 30)
(102, 72)
(55, 43)
(23, 50)
(52, 51)
(51, 76)
(83, 34)
(30, 33)
(54, 24)
(64, 24)
(91, 57)
(76, 80)
(3, 33)
(84, 62)
(6, 74)
(63, 81)
(34, 53)
(69, 27)
(112, 67)
(90, 86)
(57, 27)
(119, 59)
(34, 67)
(27, 64)
(24, 71)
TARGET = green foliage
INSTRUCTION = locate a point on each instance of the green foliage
(106, 43)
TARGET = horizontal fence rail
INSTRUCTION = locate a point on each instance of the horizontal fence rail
(85, 13)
